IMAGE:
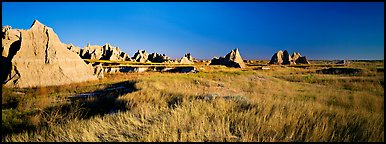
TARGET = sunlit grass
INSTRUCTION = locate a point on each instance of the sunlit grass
(218, 104)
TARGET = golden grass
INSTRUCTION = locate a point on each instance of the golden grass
(280, 104)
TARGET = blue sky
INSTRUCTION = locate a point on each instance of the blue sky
(318, 30)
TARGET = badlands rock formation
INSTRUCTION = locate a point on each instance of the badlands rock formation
(185, 60)
(106, 52)
(98, 71)
(10, 41)
(296, 56)
(74, 49)
(298, 59)
(158, 58)
(302, 60)
(36, 57)
(277, 58)
(189, 56)
(285, 58)
(232, 59)
(143, 56)
(140, 56)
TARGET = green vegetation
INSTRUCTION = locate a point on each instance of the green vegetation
(216, 104)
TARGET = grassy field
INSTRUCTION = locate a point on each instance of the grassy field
(216, 104)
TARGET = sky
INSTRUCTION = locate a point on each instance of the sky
(318, 30)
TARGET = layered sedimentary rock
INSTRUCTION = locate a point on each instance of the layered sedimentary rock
(10, 41)
(189, 56)
(36, 57)
(140, 56)
(232, 59)
(106, 52)
(285, 59)
(156, 57)
(98, 71)
(185, 60)
(74, 49)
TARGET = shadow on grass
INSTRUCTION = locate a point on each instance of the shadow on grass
(81, 106)
(103, 101)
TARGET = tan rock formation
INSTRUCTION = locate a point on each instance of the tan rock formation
(277, 58)
(124, 56)
(185, 60)
(286, 59)
(298, 59)
(189, 56)
(158, 58)
(98, 71)
(11, 38)
(232, 59)
(92, 52)
(140, 56)
(38, 58)
(106, 52)
(295, 56)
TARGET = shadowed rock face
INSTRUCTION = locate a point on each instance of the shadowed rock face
(36, 57)
(232, 59)
(287, 59)
(277, 58)
(302, 60)
(295, 56)
(10, 46)
(11, 38)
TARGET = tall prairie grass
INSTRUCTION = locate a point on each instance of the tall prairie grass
(228, 104)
